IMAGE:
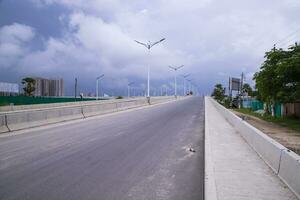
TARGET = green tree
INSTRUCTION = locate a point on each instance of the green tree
(219, 93)
(279, 77)
(29, 86)
(247, 89)
(289, 76)
(266, 79)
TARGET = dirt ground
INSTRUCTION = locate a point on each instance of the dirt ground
(288, 138)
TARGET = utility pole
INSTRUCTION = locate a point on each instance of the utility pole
(242, 82)
(75, 88)
(149, 45)
(128, 88)
(166, 91)
(97, 85)
(229, 88)
(184, 77)
(175, 78)
(189, 86)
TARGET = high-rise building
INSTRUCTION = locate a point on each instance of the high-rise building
(48, 87)
(56, 87)
(9, 89)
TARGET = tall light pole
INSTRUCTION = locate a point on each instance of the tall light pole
(166, 90)
(184, 77)
(97, 85)
(128, 88)
(75, 88)
(190, 83)
(149, 45)
(175, 78)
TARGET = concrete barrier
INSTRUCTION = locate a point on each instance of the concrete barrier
(156, 100)
(290, 170)
(30, 118)
(42, 106)
(63, 104)
(285, 163)
(16, 120)
(3, 127)
(266, 147)
(125, 105)
(112, 106)
(98, 109)
(27, 119)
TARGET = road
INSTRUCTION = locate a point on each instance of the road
(139, 154)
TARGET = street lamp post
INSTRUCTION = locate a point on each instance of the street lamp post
(128, 88)
(97, 85)
(190, 83)
(149, 45)
(184, 77)
(175, 78)
(166, 90)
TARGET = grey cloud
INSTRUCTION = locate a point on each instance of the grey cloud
(209, 37)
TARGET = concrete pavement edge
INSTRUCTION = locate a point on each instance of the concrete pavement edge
(209, 182)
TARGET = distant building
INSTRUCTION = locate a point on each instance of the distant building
(9, 89)
(48, 87)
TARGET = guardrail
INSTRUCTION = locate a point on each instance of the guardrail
(285, 163)
(21, 119)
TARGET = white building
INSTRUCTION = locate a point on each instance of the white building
(48, 87)
(7, 89)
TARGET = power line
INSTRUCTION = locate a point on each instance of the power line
(283, 41)
(293, 39)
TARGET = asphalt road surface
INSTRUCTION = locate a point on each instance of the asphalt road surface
(139, 154)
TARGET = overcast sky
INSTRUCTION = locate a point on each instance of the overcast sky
(214, 39)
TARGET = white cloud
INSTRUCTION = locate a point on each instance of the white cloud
(92, 46)
(16, 33)
(207, 36)
(13, 39)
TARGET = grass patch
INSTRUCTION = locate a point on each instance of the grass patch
(292, 123)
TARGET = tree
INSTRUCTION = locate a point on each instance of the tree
(219, 93)
(266, 79)
(247, 89)
(279, 77)
(29, 86)
(289, 76)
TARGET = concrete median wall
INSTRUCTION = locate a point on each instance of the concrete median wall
(54, 105)
(3, 127)
(155, 100)
(22, 119)
(282, 161)
(98, 109)
(27, 119)
(290, 170)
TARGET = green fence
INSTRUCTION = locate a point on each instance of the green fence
(257, 105)
(277, 109)
(25, 100)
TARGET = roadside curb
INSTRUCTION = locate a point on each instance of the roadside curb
(209, 182)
